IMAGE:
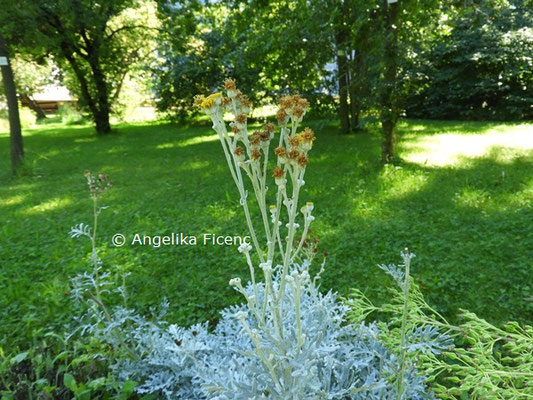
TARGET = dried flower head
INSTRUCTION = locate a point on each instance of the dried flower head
(255, 155)
(268, 128)
(294, 154)
(299, 111)
(229, 84)
(308, 135)
(286, 102)
(293, 102)
(256, 138)
(98, 183)
(265, 136)
(241, 118)
(278, 172)
(239, 153)
(302, 161)
(244, 100)
(303, 103)
(280, 151)
(282, 117)
(294, 141)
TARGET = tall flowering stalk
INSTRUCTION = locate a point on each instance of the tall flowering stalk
(248, 156)
(287, 341)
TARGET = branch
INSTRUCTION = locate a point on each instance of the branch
(128, 27)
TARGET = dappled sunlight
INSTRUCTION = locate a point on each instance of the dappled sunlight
(488, 204)
(55, 128)
(52, 204)
(471, 197)
(188, 142)
(431, 127)
(13, 200)
(448, 149)
(221, 212)
(192, 165)
(119, 149)
(51, 153)
(85, 140)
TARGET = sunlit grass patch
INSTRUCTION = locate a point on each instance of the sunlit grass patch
(448, 148)
(49, 205)
(187, 142)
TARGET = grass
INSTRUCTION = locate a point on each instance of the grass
(462, 200)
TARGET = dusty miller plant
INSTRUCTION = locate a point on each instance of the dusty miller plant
(287, 340)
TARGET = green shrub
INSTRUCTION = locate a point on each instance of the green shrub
(69, 114)
(57, 369)
(481, 69)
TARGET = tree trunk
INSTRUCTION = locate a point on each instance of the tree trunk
(101, 118)
(355, 103)
(388, 146)
(17, 148)
(99, 106)
(389, 106)
(341, 36)
(33, 106)
(359, 74)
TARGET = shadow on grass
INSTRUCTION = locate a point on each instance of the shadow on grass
(469, 225)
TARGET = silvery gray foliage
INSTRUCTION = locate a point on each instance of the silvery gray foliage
(335, 361)
(428, 339)
(397, 274)
(96, 279)
(80, 230)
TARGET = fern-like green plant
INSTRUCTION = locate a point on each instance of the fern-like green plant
(487, 362)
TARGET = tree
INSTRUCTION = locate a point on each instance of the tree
(391, 34)
(30, 78)
(269, 47)
(354, 25)
(97, 42)
(17, 148)
(479, 66)
(389, 107)
(342, 44)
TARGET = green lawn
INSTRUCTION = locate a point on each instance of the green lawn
(462, 200)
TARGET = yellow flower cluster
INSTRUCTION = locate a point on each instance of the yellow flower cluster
(290, 108)
(207, 103)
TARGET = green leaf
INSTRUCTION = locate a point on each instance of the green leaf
(128, 387)
(70, 382)
(85, 395)
(96, 383)
(19, 357)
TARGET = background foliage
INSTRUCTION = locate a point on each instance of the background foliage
(479, 66)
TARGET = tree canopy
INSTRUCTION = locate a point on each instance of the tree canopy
(96, 43)
(455, 59)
